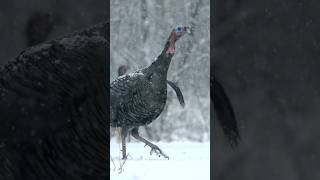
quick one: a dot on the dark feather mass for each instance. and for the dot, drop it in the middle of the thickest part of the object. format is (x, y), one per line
(53, 109)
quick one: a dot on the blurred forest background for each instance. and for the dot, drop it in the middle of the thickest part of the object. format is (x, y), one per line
(266, 53)
(139, 30)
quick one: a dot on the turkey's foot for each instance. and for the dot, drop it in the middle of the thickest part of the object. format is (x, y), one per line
(157, 150)
(154, 148)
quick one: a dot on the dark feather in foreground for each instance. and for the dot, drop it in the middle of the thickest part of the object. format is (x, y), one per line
(224, 110)
(53, 109)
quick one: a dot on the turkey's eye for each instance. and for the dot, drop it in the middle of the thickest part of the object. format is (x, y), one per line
(178, 29)
(150, 77)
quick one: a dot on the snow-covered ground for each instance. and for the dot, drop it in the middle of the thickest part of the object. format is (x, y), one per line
(188, 160)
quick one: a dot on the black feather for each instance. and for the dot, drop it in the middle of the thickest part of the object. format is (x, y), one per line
(224, 110)
(178, 92)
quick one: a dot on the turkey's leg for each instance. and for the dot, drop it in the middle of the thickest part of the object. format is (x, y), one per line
(123, 142)
(154, 148)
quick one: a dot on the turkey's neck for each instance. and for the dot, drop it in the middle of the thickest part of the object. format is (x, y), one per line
(161, 64)
(159, 68)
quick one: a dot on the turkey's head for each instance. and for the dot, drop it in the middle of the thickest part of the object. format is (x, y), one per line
(122, 70)
(176, 34)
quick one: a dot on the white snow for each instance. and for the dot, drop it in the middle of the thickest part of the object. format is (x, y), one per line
(188, 161)
(136, 73)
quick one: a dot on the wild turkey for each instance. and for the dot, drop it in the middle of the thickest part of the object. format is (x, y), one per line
(224, 111)
(123, 69)
(53, 109)
(138, 98)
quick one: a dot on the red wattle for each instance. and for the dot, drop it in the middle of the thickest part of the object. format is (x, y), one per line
(171, 50)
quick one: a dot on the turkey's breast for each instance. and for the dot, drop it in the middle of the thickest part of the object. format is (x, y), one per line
(136, 100)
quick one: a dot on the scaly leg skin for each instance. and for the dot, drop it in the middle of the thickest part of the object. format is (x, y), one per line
(123, 140)
(154, 148)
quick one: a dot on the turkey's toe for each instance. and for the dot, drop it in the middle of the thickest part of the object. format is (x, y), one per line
(158, 151)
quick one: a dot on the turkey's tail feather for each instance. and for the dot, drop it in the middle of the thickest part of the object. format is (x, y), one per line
(224, 111)
(178, 92)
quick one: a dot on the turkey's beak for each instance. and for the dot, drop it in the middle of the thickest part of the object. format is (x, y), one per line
(188, 30)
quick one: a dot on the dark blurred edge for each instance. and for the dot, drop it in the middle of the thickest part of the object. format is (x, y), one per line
(212, 21)
(267, 53)
(212, 5)
(106, 80)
